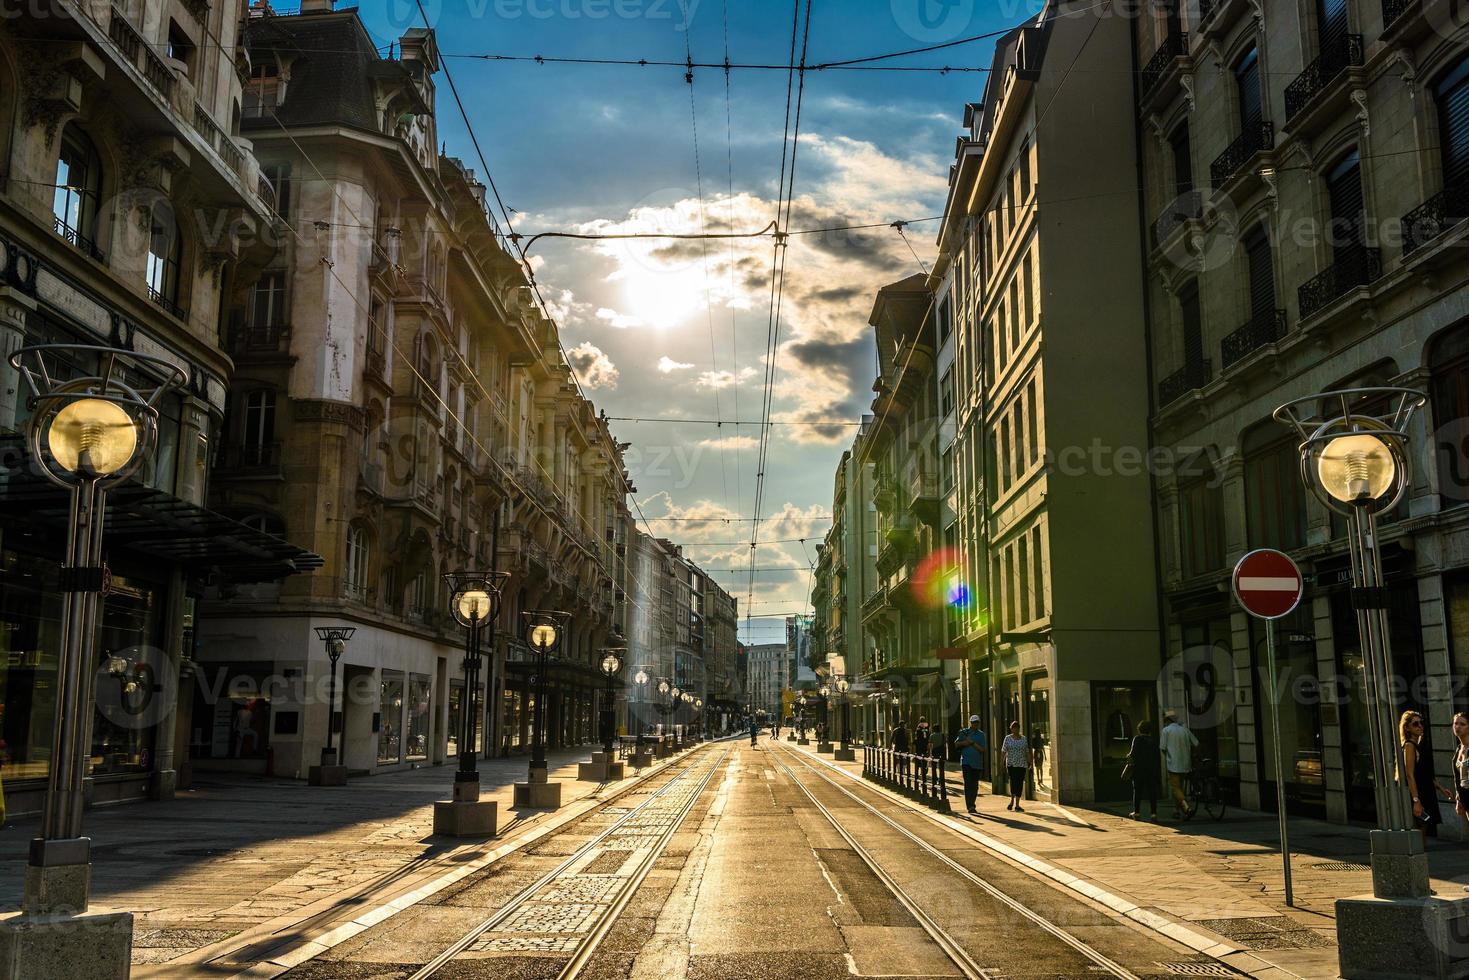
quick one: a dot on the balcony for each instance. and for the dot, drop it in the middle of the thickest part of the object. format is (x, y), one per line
(1393, 10)
(217, 138)
(875, 604)
(1164, 60)
(272, 338)
(1187, 378)
(1331, 64)
(1354, 268)
(1266, 328)
(1435, 216)
(1188, 206)
(249, 462)
(167, 305)
(1256, 138)
(885, 493)
(76, 239)
(923, 494)
(134, 48)
(375, 366)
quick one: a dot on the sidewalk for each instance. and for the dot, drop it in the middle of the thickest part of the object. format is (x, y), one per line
(1220, 881)
(241, 853)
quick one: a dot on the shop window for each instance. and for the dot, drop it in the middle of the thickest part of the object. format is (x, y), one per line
(74, 202)
(1116, 711)
(232, 707)
(390, 718)
(418, 724)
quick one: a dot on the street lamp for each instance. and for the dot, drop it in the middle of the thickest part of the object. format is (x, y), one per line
(842, 688)
(1357, 464)
(611, 664)
(474, 602)
(87, 435)
(335, 639)
(543, 631)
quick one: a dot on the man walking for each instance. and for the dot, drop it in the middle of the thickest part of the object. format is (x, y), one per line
(1177, 745)
(972, 745)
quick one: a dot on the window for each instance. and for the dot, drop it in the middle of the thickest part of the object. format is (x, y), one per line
(1261, 273)
(1247, 89)
(1347, 229)
(279, 177)
(181, 47)
(78, 190)
(357, 562)
(268, 303)
(1193, 326)
(1200, 525)
(1451, 95)
(1331, 23)
(946, 392)
(262, 91)
(1027, 293)
(1039, 564)
(1183, 171)
(1033, 435)
(258, 435)
(1449, 362)
(162, 270)
(945, 319)
(1005, 453)
(1024, 580)
(1025, 171)
(1275, 496)
(947, 463)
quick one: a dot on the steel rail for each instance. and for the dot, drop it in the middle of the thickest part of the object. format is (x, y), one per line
(519, 899)
(940, 936)
(1111, 966)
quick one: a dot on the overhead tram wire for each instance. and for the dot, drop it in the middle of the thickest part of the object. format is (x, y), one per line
(734, 343)
(774, 269)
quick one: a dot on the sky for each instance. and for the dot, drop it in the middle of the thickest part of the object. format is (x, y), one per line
(675, 331)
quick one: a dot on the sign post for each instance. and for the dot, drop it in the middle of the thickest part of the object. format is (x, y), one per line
(1268, 585)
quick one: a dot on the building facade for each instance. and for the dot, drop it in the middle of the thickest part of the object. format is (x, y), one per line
(132, 216)
(1306, 201)
(770, 677)
(400, 403)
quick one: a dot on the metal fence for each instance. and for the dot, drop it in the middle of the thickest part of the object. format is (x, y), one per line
(918, 777)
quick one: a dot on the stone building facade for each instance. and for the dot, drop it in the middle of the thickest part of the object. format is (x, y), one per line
(1305, 169)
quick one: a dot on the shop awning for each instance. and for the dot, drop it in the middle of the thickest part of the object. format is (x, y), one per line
(159, 524)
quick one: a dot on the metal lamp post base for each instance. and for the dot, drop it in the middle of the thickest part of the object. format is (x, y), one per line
(538, 792)
(823, 747)
(53, 935)
(845, 755)
(466, 818)
(329, 773)
(605, 767)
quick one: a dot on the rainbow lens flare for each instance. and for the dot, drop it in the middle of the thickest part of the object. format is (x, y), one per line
(938, 581)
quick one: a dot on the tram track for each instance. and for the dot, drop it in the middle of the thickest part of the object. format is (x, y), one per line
(572, 908)
(1096, 962)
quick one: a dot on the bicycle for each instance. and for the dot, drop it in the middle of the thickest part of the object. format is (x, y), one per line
(1203, 792)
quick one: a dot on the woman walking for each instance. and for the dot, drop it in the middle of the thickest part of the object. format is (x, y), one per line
(1418, 768)
(1017, 760)
(1144, 767)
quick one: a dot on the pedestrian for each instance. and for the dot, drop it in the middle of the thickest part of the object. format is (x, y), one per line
(1419, 769)
(1176, 744)
(1143, 769)
(899, 742)
(1461, 765)
(920, 748)
(1017, 762)
(754, 731)
(972, 745)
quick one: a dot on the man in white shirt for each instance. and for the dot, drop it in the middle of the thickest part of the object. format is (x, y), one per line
(1177, 745)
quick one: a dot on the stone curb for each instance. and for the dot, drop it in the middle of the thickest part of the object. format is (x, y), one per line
(1207, 943)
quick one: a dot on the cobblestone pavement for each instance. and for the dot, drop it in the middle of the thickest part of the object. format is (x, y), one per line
(246, 855)
(1223, 878)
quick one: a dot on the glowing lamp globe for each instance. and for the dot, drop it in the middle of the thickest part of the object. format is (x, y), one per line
(543, 635)
(93, 437)
(474, 607)
(1356, 469)
(610, 664)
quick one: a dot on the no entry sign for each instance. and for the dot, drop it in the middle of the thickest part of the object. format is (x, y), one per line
(1267, 583)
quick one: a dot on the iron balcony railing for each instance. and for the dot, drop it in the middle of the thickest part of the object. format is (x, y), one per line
(254, 458)
(1256, 137)
(166, 304)
(1206, 7)
(1335, 58)
(1263, 328)
(1353, 268)
(1435, 216)
(206, 127)
(1185, 208)
(1174, 46)
(77, 239)
(265, 338)
(1187, 378)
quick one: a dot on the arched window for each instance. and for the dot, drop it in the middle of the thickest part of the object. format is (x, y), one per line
(257, 438)
(355, 581)
(78, 190)
(262, 91)
(162, 271)
(1200, 518)
(1451, 95)
(265, 523)
(1448, 359)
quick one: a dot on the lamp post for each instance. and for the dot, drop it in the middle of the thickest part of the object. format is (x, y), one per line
(544, 629)
(330, 772)
(611, 664)
(474, 602)
(1356, 463)
(845, 753)
(86, 435)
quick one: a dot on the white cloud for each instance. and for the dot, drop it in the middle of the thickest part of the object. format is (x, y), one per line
(723, 379)
(731, 442)
(621, 321)
(667, 365)
(593, 368)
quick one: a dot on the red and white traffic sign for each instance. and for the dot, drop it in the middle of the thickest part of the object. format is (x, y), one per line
(1268, 583)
